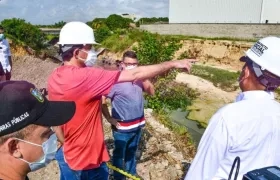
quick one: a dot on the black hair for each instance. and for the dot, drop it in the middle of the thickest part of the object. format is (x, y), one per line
(1, 27)
(269, 80)
(130, 54)
(69, 52)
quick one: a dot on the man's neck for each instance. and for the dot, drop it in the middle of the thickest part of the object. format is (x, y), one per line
(73, 62)
(11, 175)
(12, 172)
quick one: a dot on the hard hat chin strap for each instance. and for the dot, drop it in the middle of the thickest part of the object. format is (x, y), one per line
(269, 82)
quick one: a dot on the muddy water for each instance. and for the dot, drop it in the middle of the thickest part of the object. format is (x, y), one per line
(193, 127)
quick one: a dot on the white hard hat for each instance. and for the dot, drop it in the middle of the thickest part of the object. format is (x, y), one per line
(76, 33)
(266, 54)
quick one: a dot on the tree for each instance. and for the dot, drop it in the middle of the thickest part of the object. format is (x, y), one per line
(98, 22)
(115, 21)
(102, 33)
(152, 20)
(25, 32)
(59, 24)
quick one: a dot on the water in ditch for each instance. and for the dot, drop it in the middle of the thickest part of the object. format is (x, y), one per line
(194, 129)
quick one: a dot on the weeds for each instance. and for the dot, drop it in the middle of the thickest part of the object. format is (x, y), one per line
(184, 55)
(120, 41)
(223, 79)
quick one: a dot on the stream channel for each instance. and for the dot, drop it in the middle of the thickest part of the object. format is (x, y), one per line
(193, 127)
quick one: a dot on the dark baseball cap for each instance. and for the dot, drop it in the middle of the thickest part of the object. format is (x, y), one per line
(22, 104)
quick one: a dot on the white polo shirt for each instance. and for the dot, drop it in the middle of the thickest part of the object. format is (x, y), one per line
(249, 128)
(5, 52)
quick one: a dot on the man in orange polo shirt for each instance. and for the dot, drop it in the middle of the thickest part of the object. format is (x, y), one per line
(84, 147)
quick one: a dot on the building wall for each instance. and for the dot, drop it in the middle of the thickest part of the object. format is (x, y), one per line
(218, 11)
(216, 30)
(271, 11)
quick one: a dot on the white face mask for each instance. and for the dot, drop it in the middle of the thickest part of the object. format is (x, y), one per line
(130, 67)
(91, 58)
(49, 149)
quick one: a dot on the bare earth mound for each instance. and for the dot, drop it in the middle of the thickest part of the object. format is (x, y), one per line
(32, 69)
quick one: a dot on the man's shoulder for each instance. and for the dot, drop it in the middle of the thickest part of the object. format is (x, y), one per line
(65, 70)
(122, 84)
(5, 41)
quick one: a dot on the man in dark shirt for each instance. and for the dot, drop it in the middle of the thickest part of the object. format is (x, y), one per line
(27, 142)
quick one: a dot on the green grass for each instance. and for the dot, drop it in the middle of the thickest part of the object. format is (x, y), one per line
(223, 79)
(51, 36)
(119, 42)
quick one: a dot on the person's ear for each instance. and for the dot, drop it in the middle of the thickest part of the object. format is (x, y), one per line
(76, 53)
(247, 72)
(13, 147)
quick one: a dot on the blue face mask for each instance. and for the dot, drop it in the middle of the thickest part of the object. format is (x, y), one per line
(2, 36)
(49, 149)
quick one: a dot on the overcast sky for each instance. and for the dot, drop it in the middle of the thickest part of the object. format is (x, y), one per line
(51, 11)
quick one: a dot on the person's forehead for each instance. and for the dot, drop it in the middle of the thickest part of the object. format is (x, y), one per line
(87, 46)
(130, 60)
(39, 132)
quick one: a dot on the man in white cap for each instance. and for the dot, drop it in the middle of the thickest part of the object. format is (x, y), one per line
(248, 128)
(84, 147)
(5, 54)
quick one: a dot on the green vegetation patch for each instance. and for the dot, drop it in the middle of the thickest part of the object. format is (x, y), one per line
(223, 79)
(24, 32)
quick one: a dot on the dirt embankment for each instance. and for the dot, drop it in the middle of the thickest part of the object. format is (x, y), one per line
(218, 53)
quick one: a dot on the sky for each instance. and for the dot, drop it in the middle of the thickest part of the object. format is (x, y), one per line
(51, 11)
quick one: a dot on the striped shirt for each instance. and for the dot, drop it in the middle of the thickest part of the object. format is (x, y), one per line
(128, 105)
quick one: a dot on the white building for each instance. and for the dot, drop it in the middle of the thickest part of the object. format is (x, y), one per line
(224, 11)
(129, 16)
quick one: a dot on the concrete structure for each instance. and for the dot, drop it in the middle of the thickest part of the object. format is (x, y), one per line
(245, 31)
(224, 11)
(129, 16)
(54, 31)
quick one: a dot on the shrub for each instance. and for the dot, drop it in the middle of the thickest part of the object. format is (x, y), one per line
(170, 95)
(97, 23)
(152, 20)
(122, 39)
(115, 21)
(25, 32)
(102, 33)
(154, 49)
